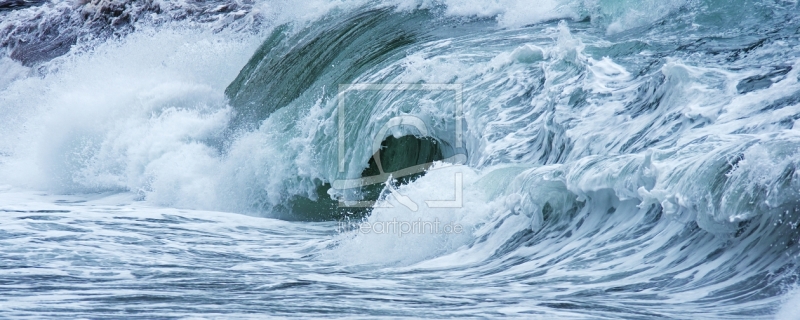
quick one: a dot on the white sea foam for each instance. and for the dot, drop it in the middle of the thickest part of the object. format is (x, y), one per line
(790, 309)
(412, 234)
(130, 115)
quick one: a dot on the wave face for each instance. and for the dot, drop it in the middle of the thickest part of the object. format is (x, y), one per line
(617, 159)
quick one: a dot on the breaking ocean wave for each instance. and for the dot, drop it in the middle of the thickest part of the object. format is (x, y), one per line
(568, 159)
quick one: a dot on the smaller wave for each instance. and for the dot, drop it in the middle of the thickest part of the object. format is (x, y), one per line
(33, 32)
(615, 16)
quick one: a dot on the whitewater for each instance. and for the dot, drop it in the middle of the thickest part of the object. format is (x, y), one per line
(554, 159)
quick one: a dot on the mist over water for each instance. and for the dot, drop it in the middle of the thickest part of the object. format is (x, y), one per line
(621, 159)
